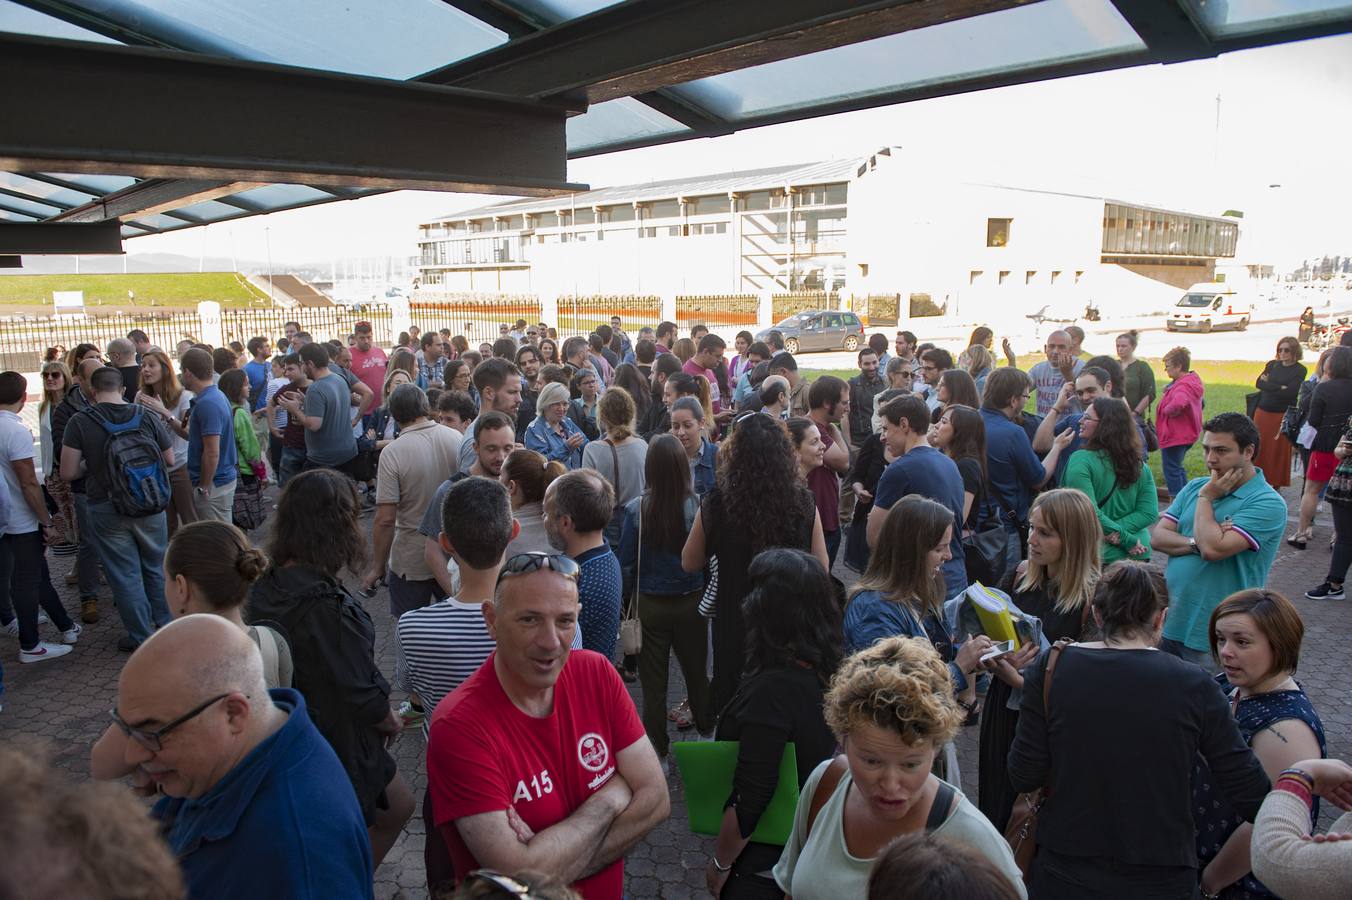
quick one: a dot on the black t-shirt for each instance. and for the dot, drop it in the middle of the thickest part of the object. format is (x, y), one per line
(84, 433)
(972, 483)
(131, 381)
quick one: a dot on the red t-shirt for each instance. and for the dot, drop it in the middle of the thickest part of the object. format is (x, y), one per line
(484, 755)
(825, 486)
(693, 368)
(369, 366)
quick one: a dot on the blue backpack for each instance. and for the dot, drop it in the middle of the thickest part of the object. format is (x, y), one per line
(138, 482)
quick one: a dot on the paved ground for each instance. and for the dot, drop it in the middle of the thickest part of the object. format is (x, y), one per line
(65, 705)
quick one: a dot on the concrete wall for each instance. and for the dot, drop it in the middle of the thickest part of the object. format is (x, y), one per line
(699, 264)
(1179, 276)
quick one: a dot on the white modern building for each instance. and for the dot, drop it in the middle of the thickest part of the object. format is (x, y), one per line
(871, 226)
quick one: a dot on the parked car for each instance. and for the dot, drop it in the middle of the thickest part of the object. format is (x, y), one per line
(819, 329)
(1208, 306)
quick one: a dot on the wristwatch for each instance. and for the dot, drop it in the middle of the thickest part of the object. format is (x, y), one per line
(1192, 546)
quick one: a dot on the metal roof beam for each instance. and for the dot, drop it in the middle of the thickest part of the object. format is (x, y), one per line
(1167, 29)
(63, 237)
(155, 195)
(157, 114)
(642, 45)
(509, 20)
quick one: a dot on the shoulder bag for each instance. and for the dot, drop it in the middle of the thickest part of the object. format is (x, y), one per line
(631, 630)
(1021, 832)
(1152, 438)
(986, 552)
(1339, 489)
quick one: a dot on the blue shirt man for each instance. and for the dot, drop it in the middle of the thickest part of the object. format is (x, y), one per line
(259, 371)
(211, 415)
(1221, 534)
(1012, 468)
(919, 469)
(283, 822)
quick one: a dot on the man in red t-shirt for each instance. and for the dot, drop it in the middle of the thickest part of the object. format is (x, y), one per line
(708, 356)
(538, 760)
(368, 363)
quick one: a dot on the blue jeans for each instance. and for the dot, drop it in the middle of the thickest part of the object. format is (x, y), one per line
(87, 558)
(1171, 458)
(30, 585)
(293, 460)
(132, 552)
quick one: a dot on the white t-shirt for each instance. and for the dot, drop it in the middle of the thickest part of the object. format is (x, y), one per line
(16, 445)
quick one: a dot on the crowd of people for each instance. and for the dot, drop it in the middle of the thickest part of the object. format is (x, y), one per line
(552, 519)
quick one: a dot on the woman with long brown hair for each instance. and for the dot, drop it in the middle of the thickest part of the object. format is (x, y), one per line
(333, 641)
(161, 393)
(1278, 388)
(1111, 471)
(758, 501)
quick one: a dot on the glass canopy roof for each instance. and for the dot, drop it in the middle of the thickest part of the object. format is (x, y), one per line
(402, 40)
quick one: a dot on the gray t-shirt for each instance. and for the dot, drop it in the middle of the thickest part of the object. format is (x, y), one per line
(631, 455)
(333, 444)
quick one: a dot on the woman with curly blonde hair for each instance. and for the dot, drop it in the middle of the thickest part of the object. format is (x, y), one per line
(892, 709)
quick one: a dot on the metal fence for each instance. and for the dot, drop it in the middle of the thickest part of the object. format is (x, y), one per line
(878, 309)
(324, 323)
(25, 339)
(477, 316)
(785, 305)
(717, 310)
(581, 314)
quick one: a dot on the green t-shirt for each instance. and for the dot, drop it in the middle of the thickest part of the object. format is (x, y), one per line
(819, 867)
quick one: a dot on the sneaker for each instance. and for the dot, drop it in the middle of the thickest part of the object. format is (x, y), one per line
(44, 651)
(71, 634)
(42, 618)
(10, 628)
(89, 611)
(1326, 591)
(411, 714)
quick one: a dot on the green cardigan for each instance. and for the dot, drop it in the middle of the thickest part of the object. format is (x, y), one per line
(246, 441)
(1128, 512)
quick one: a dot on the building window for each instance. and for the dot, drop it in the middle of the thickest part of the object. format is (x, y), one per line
(997, 232)
(1055, 276)
(974, 276)
(1003, 276)
(1078, 275)
(1028, 277)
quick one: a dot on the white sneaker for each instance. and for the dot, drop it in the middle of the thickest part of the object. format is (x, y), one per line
(42, 618)
(72, 635)
(11, 627)
(44, 651)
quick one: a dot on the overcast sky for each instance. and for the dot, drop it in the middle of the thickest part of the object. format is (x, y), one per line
(1147, 134)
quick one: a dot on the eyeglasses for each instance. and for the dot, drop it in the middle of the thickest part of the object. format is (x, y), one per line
(153, 740)
(534, 561)
(504, 883)
(52, 375)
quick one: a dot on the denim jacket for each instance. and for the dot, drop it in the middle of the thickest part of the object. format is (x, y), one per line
(546, 441)
(660, 573)
(702, 476)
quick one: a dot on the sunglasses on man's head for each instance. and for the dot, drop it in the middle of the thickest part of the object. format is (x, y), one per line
(500, 884)
(534, 561)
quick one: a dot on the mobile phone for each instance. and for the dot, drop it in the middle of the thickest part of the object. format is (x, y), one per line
(998, 650)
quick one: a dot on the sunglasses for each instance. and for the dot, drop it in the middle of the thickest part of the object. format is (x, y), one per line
(153, 740)
(52, 375)
(534, 561)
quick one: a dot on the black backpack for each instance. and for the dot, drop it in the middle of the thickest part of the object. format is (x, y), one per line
(138, 482)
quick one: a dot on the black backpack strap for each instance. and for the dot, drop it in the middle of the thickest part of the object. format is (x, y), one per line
(943, 806)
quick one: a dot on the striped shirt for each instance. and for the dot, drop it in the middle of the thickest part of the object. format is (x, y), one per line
(439, 646)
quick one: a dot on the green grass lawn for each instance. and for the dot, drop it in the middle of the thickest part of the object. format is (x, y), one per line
(158, 289)
(1226, 384)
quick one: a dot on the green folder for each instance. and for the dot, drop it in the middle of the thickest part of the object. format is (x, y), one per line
(706, 770)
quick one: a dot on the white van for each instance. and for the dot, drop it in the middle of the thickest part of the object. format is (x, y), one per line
(1210, 305)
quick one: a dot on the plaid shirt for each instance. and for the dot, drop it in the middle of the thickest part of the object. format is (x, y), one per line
(433, 371)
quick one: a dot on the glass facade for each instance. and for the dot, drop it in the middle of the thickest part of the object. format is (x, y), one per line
(1138, 231)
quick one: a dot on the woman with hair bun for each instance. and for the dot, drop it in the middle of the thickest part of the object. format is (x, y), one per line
(526, 474)
(1119, 706)
(891, 707)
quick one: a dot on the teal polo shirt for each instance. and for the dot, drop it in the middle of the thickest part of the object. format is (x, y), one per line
(1196, 587)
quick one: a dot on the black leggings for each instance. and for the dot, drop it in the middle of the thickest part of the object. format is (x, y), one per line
(1342, 546)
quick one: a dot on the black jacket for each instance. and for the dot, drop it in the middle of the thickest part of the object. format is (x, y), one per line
(333, 648)
(74, 402)
(862, 394)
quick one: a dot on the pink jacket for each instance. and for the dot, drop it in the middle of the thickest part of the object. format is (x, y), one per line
(1178, 418)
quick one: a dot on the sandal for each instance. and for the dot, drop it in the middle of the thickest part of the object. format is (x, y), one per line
(680, 713)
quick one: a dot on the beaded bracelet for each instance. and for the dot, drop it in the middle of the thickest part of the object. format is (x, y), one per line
(1301, 774)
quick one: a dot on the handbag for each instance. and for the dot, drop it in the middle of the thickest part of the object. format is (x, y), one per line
(1152, 438)
(248, 511)
(1021, 832)
(1251, 402)
(631, 629)
(986, 552)
(1291, 422)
